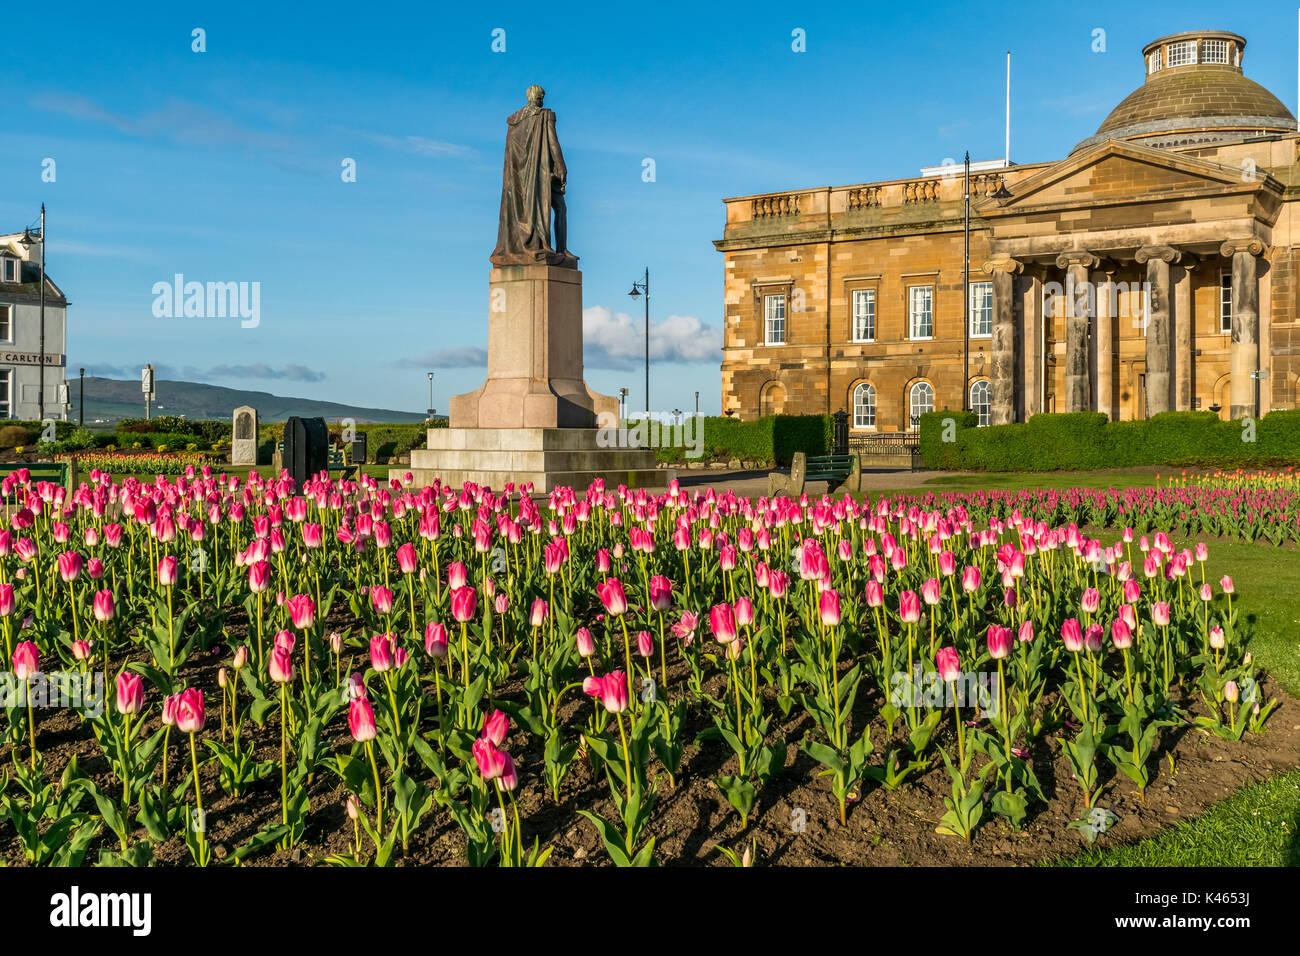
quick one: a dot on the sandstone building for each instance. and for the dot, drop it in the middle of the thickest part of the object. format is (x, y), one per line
(1151, 269)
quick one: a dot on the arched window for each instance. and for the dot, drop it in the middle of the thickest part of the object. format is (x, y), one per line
(980, 400)
(921, 402)
(864, 406)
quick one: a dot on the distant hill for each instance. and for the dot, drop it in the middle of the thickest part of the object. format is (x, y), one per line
(109, 400)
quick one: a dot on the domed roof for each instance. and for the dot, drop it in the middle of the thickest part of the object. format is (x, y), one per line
(1195, 92)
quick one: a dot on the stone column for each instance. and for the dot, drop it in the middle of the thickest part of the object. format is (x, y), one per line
(1184, 333)
(1158, 259)
(1079, 305)
(1002, 408)
(1031, 340)
(1245, 324)
(1106, 345)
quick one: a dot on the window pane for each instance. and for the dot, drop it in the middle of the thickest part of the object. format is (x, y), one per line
(1225, 302)
(1153, 62)
(864, 315)
(922, 402)
(864, 406)
(774, 322)
(981, 401)
(4, 393)
(921, 311)
(1214, 51)
(1181, 54)
(4, 322)
(981, 308)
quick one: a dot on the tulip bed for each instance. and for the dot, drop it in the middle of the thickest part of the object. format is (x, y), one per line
(356, 669)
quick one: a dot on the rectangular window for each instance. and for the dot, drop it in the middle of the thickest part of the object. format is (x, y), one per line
(1225, 302)
(920, 311)
(774, 319)
(6, 312)
(1153, 62)
(1182, 54)
(1214, 51)
(8, 270)
(981, 308)
(864, 315)
(6, 393)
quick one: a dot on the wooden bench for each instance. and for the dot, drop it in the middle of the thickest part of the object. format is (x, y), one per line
(839, 471)
(58, 472)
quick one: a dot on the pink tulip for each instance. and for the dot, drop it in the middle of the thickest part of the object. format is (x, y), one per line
(829, 608)
(1026, 633)
(613, 692)
(1225, 583)
(778, 583)
(613, 597)
(457, 575)
(508, 779)
(948, 664)
(302, 611)
(381, 652)
(281, 665)
(970, 579)
(1121, 635)
(491, 761)
(1216, 638)
(103, 606)
(435, 640)
(586, 644)
(170, 703)
(1132, 591)
(130, 693)
(167, 571)
(645, 644)
(26, 661)
(999, 641)
(381, 599)
(875, 594)
(189, 711)
(81, 650)
(744, 609)
(1093, 638)
(1160, 613)
(722, 620)
(6, 599)
(909, 607)
(1072, 635)
(1231, 691)
(464, 604)
(537, 616)
(241, 657)
(406, 559)
(70, 563)
(361, 720)
(95, 568)
(661, 593)
(259, 576)
(501, 603)
(1090, 601)
(495, 727)
(285, 639)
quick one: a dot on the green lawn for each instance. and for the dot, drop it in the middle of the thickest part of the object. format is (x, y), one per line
(1016, 481)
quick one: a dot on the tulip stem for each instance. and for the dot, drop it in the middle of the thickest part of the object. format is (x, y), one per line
(627, 760)
(31, 721)
(198, 799)
(284, 773)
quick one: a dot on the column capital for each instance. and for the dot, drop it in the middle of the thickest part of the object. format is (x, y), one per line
(1077, 257)
(1003, 264)
(1165, 253)
(1232, 246)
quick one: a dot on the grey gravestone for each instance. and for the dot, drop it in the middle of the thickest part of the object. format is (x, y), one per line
(243, 443)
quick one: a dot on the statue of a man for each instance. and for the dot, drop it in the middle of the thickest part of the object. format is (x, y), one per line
(532, 185)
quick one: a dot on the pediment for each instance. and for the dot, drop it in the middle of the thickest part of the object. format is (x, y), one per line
(1113, 172)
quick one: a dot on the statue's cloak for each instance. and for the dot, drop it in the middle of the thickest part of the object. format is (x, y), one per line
(534, 168)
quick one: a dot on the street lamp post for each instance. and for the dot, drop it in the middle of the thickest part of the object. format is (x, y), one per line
(431, 395)
(643, 288)
(622, 403)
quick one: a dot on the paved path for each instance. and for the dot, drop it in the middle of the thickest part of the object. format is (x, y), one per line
(753, 484)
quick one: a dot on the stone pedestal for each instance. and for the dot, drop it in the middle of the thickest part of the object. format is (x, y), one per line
(534, 377)
(548, 457)
(243, 438)
(534, 419)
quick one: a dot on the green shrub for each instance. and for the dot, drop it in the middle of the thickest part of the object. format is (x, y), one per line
(1083, 441)
(12, 435)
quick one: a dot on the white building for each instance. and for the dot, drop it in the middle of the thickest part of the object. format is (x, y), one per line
(20, 334)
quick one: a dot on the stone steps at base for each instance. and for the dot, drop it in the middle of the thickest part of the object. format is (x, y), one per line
(542, 481)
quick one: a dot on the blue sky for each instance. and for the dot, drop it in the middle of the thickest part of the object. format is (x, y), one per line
(225, 165)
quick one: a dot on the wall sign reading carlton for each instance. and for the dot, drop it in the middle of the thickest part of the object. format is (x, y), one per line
(32, 358)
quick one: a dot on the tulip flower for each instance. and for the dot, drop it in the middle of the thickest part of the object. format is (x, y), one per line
(103, 606)
(361, 724)
(302, 611)
(495, 727)
(613, 597)
(829, 608)
(909, 607)
(645, 644)
(1072, 636)
(722, 620)
(491, 761)
(382, 599)
(949, 667)
(81, 650)
(26, 665)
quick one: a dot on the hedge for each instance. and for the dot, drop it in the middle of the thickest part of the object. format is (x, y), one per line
(773, 438)
(1082, 441)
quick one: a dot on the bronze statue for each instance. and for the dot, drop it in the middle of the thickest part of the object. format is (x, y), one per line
(532, 185)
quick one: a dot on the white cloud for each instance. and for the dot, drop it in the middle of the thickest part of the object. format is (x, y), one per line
(617, 340)
(466, 356)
